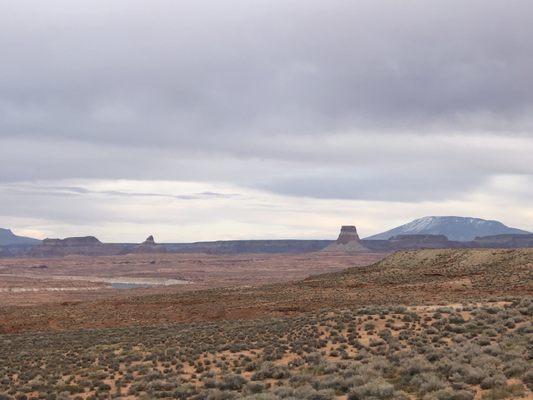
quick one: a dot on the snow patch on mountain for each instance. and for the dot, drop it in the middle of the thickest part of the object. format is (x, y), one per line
(454, 228)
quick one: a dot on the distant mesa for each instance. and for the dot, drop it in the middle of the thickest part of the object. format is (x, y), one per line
(85, 245)
(73, 241)
(405, 242)
(505, 241)
(348, 241)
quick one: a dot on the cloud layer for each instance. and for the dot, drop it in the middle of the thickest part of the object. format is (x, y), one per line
(378, 102)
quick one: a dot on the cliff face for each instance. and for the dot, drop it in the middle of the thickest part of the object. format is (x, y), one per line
(348, 234)
(87, 245)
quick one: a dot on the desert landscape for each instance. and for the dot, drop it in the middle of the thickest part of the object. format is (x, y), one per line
(434, 323)
(449, 352)
(266, 200)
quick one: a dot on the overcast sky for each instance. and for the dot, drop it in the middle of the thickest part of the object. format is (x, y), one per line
(201, 120)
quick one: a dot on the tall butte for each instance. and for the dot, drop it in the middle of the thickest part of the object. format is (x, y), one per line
(348, 234)
(348, 241)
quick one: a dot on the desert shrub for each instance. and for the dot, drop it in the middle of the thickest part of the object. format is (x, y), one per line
(413, 367)
(445, 310)
(261, 396)
(210, 383)
(504, 392)
(515, 368)
(137, 388)
(473, 375)
(528, 379)
(216, 394)
(309, 393)
(254, 387)
(493, 381)
(72, 389)
(456, 319)
(270, 370)
(427, 382)
(337, 383)
(377, 388)
(449, 394)
(232, 382)
(369, 326)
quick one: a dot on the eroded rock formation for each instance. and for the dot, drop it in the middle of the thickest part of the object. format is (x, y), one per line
(149, 240)
(348, 234)
(150, 246)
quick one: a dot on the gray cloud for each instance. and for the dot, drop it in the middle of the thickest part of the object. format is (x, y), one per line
(69, 191)
(374, 100)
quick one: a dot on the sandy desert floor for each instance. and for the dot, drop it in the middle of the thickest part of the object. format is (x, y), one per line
(31, 281)
(450, 324)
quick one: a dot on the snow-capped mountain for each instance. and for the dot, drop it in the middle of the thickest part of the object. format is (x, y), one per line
(454, 228)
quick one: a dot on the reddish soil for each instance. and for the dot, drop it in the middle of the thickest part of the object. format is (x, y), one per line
(31, 281)
(408, 278)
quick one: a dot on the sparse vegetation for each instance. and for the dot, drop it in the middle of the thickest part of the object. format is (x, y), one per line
(336, 353)
(373, 332)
